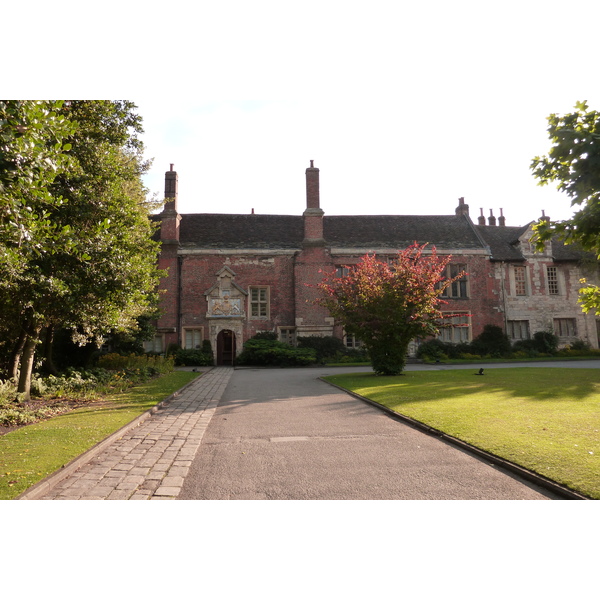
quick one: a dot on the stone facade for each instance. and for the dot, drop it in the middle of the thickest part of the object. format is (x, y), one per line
(231, 276)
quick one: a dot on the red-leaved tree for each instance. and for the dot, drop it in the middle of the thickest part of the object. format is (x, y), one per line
(388, 304)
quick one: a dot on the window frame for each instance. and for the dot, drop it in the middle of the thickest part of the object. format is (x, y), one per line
(158, 336)
(266, 303)
(511, 326)
(520, 278)
(448, 334)
(552, 282)
(460, 288)
(285, 338)
(187, 330)
(352, 342)
(561, 323)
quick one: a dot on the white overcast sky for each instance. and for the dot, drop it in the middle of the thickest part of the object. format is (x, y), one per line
(403, 106)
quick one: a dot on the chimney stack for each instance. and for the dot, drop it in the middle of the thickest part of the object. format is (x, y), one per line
(501, 219)
(462, 208)
(171, 184)
(492, 219)
(544, 217)
(312, 186)
(313, 215)
(481, 218)
(170, 218)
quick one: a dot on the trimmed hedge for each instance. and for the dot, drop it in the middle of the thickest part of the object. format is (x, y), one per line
(265, 352)
(326, 347)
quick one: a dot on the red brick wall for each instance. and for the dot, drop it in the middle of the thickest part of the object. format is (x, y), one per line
(199, 274)
(309, 263)
(484, 299)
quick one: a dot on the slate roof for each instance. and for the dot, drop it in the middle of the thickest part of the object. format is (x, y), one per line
(503, 244)
(369, 231)
(241, 231)
(229, 231)
(502, 241)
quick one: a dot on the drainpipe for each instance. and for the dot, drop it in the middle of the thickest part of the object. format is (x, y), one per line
(179, 288)
(503, 288)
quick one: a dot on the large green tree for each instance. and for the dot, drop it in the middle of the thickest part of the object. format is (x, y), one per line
(573, 164)
(388, 304)
(33, 151)
(102, 275)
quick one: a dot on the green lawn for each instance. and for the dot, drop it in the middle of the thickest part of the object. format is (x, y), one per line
(544, 419)
(29, 454)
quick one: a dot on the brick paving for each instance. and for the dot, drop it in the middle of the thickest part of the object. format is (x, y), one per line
(151, 461)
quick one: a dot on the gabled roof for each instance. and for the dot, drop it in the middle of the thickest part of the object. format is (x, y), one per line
(503, 243)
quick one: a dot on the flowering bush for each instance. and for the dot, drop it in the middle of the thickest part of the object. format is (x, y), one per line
(388, 304)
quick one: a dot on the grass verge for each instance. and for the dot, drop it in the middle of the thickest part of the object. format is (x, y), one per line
(31, 453)
(544, 419)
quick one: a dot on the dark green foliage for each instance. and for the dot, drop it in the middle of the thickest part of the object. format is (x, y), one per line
(132, 341)
(389, 358)
(572, 163)
(491, 341)
(76, 248)
(546, 341)
(326, 347)
(266, 352)
(265, 335)
(353, 355)
(195, 358)
(579, 345)
(207, 348)
(433, 349)
(543, 342)
(530, 347)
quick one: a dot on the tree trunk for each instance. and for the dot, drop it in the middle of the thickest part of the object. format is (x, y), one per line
(49, 365)
(27, 359)
(15, 356)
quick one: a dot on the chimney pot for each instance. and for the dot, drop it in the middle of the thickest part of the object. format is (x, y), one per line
(481, 218)
(492, 219)
(501, 219)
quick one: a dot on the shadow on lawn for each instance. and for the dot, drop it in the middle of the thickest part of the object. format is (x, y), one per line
(532, 384)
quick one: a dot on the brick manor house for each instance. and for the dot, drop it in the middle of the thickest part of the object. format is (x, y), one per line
(233, 275)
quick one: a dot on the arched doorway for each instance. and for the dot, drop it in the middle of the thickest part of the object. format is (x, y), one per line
(226, 347)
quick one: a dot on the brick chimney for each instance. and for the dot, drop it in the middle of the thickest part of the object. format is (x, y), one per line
(492, 219)
(502, 219)
(170, 217)
(462, 208)
(313, 215)
(481, 218)
(171, 184)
